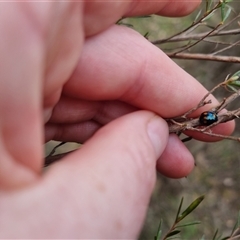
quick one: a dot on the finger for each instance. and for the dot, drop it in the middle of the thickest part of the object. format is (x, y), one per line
(175, 162)
(70, 110)
(175, 157)
(76, 132)
(118, 173)
(111, 176)
(20, 98)
(25, 64)
(77, 120)
(164, 8)
(97, 16)
(138, 74)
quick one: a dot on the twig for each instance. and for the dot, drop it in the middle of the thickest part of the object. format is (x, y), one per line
(227, 100)
(226, 48)
(193, 25)
(199, 40)
(197, 36)
(209, 57)
(184, 123)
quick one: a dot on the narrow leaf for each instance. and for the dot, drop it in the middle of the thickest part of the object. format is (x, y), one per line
(202, 238)
(236, 74)
(188, 224)
(236, 225)
(215, 234)
(223, 11)
(226, 238)
(208, 5)
(159, 231)
(190, 208)
(175, 232)
(233, 81)
(231, 88)
(209, 15)
(238, 220)
(146, 35)
(196, 18)
(179, 209)
(227, 14)
(234, 228)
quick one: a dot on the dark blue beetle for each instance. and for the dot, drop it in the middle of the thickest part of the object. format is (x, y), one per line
(208, 118)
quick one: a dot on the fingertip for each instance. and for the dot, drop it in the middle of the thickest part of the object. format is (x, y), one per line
(158, 134)
(164, 8)
(177, 10)
(176, 160)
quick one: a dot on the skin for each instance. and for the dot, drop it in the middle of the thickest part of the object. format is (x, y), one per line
(72, 75)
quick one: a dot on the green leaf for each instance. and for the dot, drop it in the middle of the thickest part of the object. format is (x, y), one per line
(209, 15)
(223, 10)
(236, 225)
(215, 234)
(202, 238)
(146, 35)
(197, 16)
(226, 14)
(233, 81)
(208, 5)
(190, 208)
(236, 74)
(188, 224)
(175, 232)
(159, 231)
(238, 220)
(231, 88)
(225, 238)
(179, 209)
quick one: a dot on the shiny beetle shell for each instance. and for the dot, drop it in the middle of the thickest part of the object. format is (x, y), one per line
(208, 118)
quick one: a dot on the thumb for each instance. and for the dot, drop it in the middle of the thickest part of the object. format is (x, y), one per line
(110, 179)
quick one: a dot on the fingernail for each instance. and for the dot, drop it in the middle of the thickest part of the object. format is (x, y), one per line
(158, 133)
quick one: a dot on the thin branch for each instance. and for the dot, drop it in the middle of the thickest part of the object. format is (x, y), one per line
(198, 36)
(195, 43)
(217, 135)
(227, 100)
(226, 48)
(208, 57)
(228, 23)
(219, 42)
(193, 25)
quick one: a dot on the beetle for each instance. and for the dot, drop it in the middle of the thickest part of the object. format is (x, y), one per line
(207, 118)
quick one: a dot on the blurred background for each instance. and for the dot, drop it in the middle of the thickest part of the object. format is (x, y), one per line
(217, 171)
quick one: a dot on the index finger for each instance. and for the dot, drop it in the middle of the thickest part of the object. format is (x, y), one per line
(120, 64)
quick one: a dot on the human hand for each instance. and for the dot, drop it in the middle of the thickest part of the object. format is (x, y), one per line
(103, 189)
